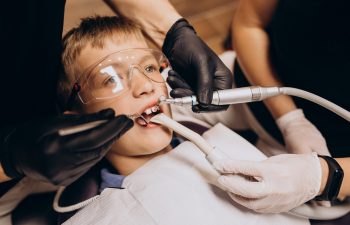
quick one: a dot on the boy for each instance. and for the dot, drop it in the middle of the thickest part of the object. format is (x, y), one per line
(107, 64)
(127, 80)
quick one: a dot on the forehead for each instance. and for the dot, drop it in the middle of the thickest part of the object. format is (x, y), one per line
(90, 55)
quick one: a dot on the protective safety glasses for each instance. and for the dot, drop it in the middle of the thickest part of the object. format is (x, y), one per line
(112, 75)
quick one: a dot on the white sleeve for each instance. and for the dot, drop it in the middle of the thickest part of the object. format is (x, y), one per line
(233, 117)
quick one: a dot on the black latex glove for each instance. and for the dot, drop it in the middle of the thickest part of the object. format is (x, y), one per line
(36, 150)
(197, 64)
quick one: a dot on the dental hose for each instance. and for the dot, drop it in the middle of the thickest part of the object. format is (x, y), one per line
(252, 94)
(316, 99)
(212, 154)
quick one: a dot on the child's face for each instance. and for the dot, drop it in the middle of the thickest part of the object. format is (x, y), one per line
(141, 94)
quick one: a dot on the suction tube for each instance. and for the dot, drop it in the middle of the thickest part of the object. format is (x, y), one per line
(212, 154)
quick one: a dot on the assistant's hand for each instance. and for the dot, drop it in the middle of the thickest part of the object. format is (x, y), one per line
(300, 135)
(280, 182)
(197, 64)
(36, 150)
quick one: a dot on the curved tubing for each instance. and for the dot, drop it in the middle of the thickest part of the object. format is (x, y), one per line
(305, 211)
(316, 99)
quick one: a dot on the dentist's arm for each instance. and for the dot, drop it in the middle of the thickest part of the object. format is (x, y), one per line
(189, 56)
(280, 182)
(251, 43)
(154, 16)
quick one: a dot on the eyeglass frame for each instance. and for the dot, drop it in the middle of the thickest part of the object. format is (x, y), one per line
(77, 87)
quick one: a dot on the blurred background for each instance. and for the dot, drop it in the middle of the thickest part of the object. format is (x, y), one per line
(210, 18)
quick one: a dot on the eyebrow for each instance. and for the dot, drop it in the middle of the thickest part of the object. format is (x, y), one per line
(146, 57)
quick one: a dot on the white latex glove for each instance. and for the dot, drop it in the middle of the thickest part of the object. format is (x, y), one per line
(300, 135)
(281, 182)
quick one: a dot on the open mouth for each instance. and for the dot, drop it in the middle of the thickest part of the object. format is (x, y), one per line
(145, 117)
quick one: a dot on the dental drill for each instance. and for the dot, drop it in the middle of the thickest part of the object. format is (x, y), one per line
(228, 97)
(256, 93)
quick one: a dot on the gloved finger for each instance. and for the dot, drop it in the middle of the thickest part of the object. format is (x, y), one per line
(321, 148)
(100, 135)
(320, 203)
(223, 77)
(83, 158)
(204, 91)
(222, 80)
(209, 108)
(74, 120)
(246, 202)
(105, 148)
(243, 186)
(65, 179)
(70, 168)
(260, 205)
(180, 92)
(231, 166)
(176, 81)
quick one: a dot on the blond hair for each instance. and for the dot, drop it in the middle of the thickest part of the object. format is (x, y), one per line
(92, 31)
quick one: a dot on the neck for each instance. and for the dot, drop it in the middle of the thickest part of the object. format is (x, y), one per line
(125, 165)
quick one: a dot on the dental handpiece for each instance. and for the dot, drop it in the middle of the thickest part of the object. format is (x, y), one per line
(229, 96)
(256, 93)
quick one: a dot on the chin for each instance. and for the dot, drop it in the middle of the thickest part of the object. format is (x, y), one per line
(150, 144)
(135, 143)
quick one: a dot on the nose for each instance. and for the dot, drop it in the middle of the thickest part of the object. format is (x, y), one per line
(140, 84)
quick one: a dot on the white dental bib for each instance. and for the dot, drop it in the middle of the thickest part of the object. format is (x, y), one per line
(175, 189)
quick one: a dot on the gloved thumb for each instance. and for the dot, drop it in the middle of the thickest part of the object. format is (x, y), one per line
(204, 90)
(70, 120)
(175, 81)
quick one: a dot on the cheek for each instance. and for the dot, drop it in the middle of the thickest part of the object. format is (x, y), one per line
(121, 105)
(162, 89)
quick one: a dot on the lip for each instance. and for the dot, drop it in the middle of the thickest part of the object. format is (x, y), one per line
(151, 104)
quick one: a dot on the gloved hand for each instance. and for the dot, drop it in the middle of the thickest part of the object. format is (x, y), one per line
(36, 150)
(300, 135)
(197, 64)
(280, 182)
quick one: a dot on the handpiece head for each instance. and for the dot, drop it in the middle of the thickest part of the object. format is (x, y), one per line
(163, 100)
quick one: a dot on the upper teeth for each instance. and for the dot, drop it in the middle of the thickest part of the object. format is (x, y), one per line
(152, 110)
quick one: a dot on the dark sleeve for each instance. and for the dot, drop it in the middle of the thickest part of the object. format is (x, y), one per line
(31, 32)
